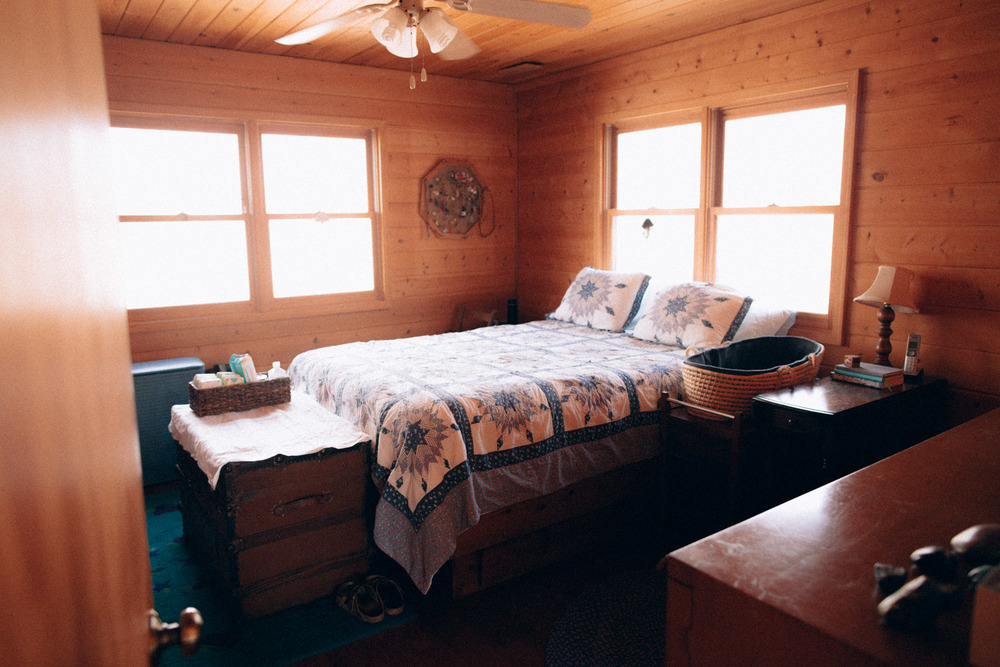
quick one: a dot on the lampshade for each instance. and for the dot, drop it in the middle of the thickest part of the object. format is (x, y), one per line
(437, 28)
(393, 31)
(892, 287)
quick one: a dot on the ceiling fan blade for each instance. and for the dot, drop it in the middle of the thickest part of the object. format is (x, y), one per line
(324, 28)
(311, 33)
(534, 11)
(459, 48)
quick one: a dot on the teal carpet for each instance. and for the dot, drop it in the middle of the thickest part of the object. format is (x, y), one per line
(179, 581)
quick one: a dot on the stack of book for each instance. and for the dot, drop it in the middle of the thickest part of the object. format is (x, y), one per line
(869, 375)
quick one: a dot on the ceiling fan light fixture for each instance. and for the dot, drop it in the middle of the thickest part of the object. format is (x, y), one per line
(393, 31)
(406, 45)
(437, 28)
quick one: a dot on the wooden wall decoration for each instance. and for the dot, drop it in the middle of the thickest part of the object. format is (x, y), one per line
(451, 198)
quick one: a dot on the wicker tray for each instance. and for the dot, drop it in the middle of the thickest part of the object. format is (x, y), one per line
(727, 379)
(238, 397)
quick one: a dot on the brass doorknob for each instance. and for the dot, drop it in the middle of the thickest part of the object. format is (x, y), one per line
(186, 633)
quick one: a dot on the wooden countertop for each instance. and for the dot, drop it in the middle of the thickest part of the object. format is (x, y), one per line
(827, 396)
(806, 567)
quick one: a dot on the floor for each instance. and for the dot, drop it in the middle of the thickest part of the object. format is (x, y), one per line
(506, 625)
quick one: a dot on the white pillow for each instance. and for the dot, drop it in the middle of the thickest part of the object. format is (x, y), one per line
(602, 299)
(693, 315)
(765, 320)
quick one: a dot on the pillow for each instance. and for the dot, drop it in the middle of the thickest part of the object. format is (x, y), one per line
(693, 315)
(655, 285)
(602, 299)
(765, 321)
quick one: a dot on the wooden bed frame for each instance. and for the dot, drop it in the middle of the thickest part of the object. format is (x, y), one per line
(625, 503)
(514, 540)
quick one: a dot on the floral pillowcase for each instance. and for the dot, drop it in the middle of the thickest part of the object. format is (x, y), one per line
(602, 299)
(692, 315)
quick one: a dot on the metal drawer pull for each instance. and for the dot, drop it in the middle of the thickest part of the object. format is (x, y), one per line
(307, 501)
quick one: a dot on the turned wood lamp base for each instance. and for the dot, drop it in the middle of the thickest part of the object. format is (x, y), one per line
(883, 347)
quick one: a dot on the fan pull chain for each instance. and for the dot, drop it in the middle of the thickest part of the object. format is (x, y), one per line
(423, 69)
(413, 80)
(414, 44)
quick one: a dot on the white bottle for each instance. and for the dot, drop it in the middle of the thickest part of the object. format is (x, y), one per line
(276, 371)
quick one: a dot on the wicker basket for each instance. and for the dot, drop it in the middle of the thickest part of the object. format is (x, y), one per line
(237, 397)
(726, 379)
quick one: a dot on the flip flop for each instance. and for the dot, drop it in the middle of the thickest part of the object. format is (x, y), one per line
(388, 592)
(360, 601)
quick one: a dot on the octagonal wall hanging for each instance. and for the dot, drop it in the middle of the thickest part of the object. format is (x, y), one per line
(451, 198)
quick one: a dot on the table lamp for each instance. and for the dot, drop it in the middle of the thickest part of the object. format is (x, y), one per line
(890, 292)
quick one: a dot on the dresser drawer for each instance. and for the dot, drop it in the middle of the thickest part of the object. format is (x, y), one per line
(259, 497)
(279, 532)
(799, 423)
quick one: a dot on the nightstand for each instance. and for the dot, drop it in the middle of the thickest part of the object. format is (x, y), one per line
(822, 430)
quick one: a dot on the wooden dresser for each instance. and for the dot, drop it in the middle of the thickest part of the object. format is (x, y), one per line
(794, 585)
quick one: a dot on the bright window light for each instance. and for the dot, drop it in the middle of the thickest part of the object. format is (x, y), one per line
(772, 163)
(781, 259)
(189, 205)
(784, 159)
(663, 250)
(169, 172)
(321, 257)
(659, 168)
(174, 263)
(179, 173)
(310, 174)
(327, 248)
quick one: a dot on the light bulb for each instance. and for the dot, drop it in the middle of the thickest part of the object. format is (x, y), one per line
(437, 28)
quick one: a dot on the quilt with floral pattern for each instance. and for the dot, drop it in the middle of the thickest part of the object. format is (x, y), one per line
(465, 423)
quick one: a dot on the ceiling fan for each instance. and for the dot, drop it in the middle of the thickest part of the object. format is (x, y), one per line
(394, 23)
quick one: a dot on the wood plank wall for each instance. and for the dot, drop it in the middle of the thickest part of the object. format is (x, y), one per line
(426, 275)
(927, 176)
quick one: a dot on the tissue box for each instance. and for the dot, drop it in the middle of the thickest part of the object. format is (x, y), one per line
(984, 644)
(238, 397)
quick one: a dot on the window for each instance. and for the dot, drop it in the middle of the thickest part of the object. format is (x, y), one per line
(244, 216)
(183, 196)
(659, 181)
(780, 187)
(319, 223)
(755, 196)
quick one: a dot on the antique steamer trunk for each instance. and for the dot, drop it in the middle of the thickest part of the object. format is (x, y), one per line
(283, 531)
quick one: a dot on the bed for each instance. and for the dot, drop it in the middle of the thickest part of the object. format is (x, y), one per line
(466, 424)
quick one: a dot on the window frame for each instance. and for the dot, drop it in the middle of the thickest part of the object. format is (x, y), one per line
(262, 305)
(835, 89)
(269, 301)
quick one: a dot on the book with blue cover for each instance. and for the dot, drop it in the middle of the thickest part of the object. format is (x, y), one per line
(869, 375)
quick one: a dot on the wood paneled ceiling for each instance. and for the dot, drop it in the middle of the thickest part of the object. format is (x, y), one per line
(512, 51)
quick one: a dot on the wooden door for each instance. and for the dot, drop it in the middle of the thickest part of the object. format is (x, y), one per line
(74, 566)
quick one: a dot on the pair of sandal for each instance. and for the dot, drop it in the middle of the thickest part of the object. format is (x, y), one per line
(371, 599)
